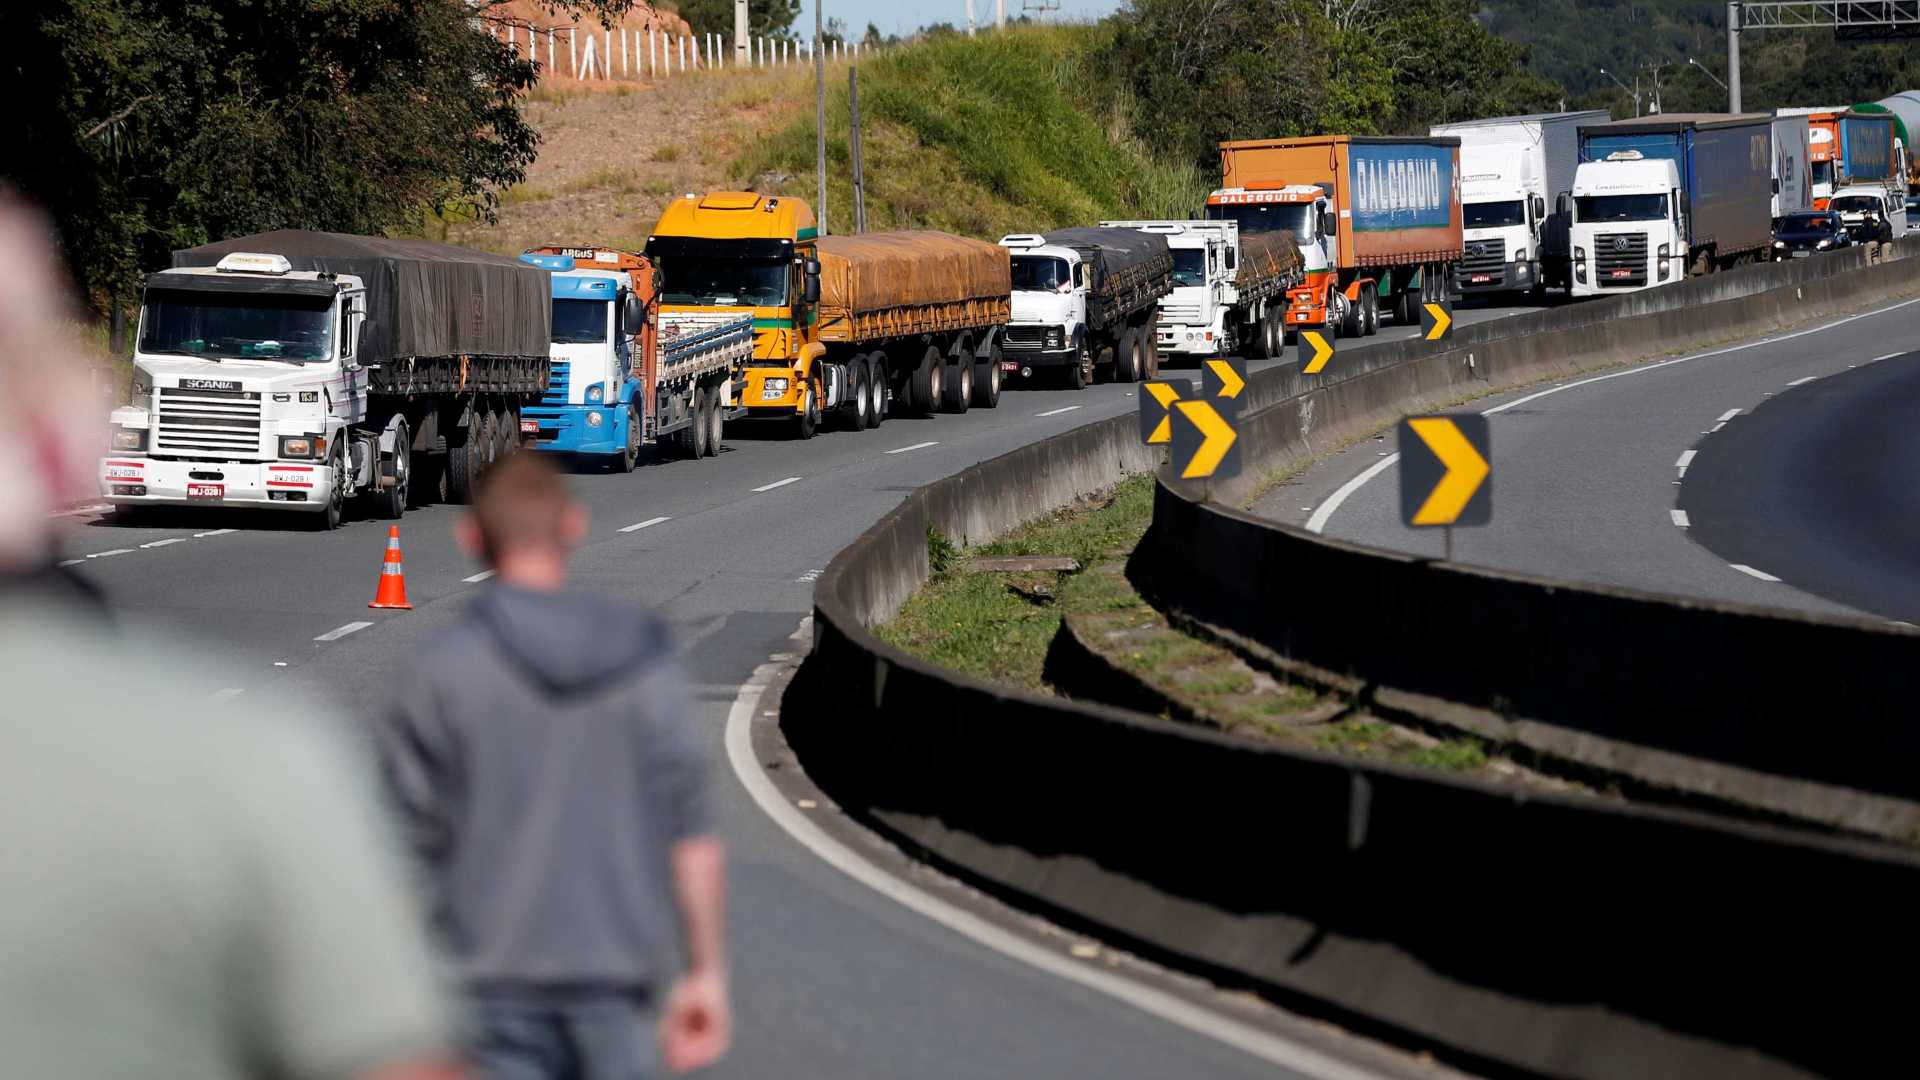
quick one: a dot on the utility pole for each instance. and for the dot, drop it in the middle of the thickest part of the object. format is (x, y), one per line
(999, 14)
(853, 145)
(969, 4)
(740, 56)
(1734, 14)
(820, 116)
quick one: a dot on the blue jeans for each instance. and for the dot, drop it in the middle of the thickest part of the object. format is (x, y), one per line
(586, 1035)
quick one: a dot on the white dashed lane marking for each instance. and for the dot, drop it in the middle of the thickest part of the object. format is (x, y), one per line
(778, 484)
(1798, 382)
(915, 446)
(164, 543)
(339, 632)
(651, 522)
(1751, 572)
(473, 579)
(1680, 518)
(1057, 412)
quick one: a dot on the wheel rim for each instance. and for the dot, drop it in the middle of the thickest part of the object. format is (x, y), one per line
(860, 403)
(936, 384)
(966, 383)
(402, 470)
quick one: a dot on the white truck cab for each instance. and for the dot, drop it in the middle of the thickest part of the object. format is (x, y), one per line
(245, 385)
(1195, 317)
(1629, 224)
(1049, 318)
(1872, 213)
(1501, 211)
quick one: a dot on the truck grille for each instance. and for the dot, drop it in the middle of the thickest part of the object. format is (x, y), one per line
(1616, 264)
(1484, 259)
(1023, 339)
(557, 383)
(1180, 313)
(224, 422)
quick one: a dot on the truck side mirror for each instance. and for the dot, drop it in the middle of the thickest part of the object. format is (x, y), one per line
(659, 279)
(810, 284)
(1539, 207)
(633, 312)
(1561, 202)
(360, 341)
(1329, 225)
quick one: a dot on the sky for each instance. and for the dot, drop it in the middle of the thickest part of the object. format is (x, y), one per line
(904, 16)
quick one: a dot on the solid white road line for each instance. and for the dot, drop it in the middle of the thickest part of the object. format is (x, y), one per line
(1751, 572)
(1318, 521)
(1057, 412)
(778, 484)
(651, 522)
(1686, 458)
(339, 632)
(1261, 1044)
(1680, 518)
(70, 562)
(216, 532)
(1799, 382)
(915, 446)
(226, 694)
(474, 579)
(1728, 415)
(115, 551)
(1889, 356)
(164, 543)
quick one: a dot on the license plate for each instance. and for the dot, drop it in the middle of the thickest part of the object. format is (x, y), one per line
(206, 491)
(1480, 278)
(1799, 254)
(120, 472)
(1621, 273)
(529, 427)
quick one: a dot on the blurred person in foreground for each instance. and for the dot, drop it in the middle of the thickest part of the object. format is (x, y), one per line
(555, 791)
(190, 891)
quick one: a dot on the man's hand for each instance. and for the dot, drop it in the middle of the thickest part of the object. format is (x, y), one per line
(697, 1025)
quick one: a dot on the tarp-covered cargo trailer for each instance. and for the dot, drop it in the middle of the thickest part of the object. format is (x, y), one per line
(1399, 202)
(887, 285)
(1131, 270)
(440, 319)
(1866, 148)
(1267, 259)
(1730, 188)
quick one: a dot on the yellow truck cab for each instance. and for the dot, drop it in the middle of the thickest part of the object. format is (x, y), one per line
(843, 326)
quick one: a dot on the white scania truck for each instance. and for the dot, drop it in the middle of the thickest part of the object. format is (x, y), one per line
(1084, 298)
(1229, 291)
(1511, 168)
(297, 370)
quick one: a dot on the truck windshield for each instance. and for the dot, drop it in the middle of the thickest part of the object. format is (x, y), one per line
(1039, 273)
(240, 326)
(1855, 204)
(719, 281)
(1620, 207)
(1189, 266)
(1296, 218)
(580, 322)
(1821, 171)
(1488, 215)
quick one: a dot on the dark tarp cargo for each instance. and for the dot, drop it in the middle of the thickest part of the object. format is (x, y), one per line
(424, 300)
(1131, 270)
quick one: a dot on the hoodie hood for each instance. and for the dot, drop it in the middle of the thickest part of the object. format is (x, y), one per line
(571, 642)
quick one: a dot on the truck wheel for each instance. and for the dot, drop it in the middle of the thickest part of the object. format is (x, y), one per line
(330, 516)
(630, 453)
(1369, 313)
(808, 422)
(1350, 319)
(466, 462)
(957, 389)
(876, 389)
(1080, 368)
(925, 385)
(716, 424)
(1126, 356)
(853, 411)
(1272, 335)
(390, 503)
(698, 432)
(986, 380)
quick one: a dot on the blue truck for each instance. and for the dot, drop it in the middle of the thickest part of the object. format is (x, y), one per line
(1665, 197)
(620, 379)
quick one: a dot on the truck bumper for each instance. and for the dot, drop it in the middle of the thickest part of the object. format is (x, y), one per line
(761, 399)
(1012, 361)
(277, 485)
(578, 429)
(1188, 340)
(1507, 278)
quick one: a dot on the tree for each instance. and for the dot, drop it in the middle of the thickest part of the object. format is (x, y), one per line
(765, 18)
(144, 126)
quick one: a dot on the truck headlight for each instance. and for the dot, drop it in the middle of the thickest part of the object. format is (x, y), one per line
(1579, 264)
(301, 446)
(1056, 338)
(1661, 254)
(1779, 243)
(596, 393)
(126, 438)
(593, 419)
(774, 384)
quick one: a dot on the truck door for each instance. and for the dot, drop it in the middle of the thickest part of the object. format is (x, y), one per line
(352, 402)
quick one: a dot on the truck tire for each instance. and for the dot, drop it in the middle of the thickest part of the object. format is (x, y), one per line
(927, 382)
(697, 432)
(466, 462)
(1079, 370)
(1369, 313)
(1126, 356)
(957, 388)
(716, 424)
(876, 389)
(986, 380)
(1351, 319)
(630, 453)
(859, 401)
(1273, 334)
(335, 511)
(807, 423)
(391, 502)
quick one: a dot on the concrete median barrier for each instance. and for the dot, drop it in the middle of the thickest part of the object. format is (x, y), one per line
(1505, 929)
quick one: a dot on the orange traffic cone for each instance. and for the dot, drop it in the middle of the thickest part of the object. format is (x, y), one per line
(392, 592)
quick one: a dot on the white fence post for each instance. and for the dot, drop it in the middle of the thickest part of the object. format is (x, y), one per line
(586, 69)
(682, 44)
(653, 65)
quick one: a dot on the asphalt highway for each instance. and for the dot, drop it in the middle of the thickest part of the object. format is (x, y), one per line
(1606, 478)
(832, 978)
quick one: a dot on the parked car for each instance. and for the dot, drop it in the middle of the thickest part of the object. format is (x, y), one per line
(1797, 236)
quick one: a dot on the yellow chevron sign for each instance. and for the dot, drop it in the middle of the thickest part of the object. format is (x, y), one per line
(1226, 378)
(1162, 395)
(1205, 444)
(1436, 321)
(1444, 470)
(1316, 348)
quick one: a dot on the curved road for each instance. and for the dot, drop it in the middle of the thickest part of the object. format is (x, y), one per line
(1600, 479)
(1821, 485)
(832, 978)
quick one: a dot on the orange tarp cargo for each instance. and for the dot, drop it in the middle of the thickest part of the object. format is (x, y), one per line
(896, 283)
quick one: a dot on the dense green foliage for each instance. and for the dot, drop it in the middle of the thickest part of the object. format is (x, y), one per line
(148, 125)
(1000, 133)
(765, 18)
(1572, 40)
(1199, 71)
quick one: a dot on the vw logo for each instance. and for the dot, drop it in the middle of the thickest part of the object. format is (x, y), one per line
(1619, 243)
(1476, 249)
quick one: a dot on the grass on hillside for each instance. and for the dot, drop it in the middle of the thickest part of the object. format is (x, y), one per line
(979, 136)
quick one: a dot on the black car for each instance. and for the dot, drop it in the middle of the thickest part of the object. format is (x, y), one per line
(1797, 236)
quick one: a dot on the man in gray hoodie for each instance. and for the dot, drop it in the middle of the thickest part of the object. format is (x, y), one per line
(555, 790)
